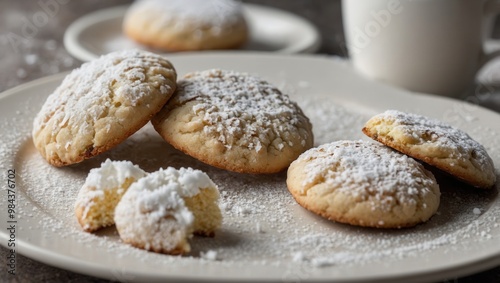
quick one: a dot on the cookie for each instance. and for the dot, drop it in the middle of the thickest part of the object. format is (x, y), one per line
(101, 192)
(100, 104)
(180, 25)
(436, 144)
(365, 184)
(234, 121)
(161, 211)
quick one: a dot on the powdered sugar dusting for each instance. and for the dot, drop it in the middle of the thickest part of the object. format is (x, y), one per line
(242, 110)
(153, 215)
(153, 200)
(368, 171)
(213, 14)
(112, 174)
(346, 122)
(450, 140)
(95, 83)
(154, 212)
(186, 182)
(100, 104)
(263, 226)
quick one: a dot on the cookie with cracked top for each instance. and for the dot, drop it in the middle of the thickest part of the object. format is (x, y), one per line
(364, 184)
(435, 143)
(234, 121)
(100, 104)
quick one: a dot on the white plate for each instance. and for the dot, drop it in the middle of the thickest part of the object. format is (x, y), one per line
(266, 236)
(274, 30)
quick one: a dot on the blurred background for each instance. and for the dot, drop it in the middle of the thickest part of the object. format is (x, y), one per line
(42, 53)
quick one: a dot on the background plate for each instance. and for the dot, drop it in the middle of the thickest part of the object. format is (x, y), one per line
(265, 236)
(271, 29)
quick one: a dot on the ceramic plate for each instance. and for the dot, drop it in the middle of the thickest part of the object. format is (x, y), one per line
(265, 236)
(274, 30)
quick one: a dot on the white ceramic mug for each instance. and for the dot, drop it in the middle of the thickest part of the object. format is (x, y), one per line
(431, 46)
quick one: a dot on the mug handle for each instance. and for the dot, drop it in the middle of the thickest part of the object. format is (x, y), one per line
(491, 48)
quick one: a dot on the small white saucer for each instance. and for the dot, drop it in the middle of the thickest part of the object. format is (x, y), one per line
(272, 30)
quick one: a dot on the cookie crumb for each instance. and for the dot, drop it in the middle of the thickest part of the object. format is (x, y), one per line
(299, 257)
(258, 228)
(209, 255)
(321, 262)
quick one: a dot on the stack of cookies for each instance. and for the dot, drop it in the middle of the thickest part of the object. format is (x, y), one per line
(382, 185)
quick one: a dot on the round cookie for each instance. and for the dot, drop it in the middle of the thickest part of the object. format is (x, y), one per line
(365, 184)
(435, 143)
(100, 104)
(103, 189)
(180, 25)
(235, 122)
(161, 211)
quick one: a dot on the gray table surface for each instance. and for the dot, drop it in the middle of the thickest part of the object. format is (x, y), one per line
(42, 53)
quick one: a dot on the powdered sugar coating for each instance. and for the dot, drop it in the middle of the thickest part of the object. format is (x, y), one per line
(100, 104)
(153, 214)
(211, 13)
(249, 117)
(436, 143)
(179, 25)
(344, 176)
(454, 141)
(111, 174)
(159, 199)
(241, 109)
(366, 170)
(269, 226)
(187, 182)
(102, 190)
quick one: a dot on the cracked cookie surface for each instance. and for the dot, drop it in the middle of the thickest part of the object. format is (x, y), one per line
(435, 143)
(100, 104)
(234, 121)
(365, 184)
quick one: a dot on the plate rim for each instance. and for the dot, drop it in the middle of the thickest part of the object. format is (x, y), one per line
(73, 31)
(471, 265)
(92, 269)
